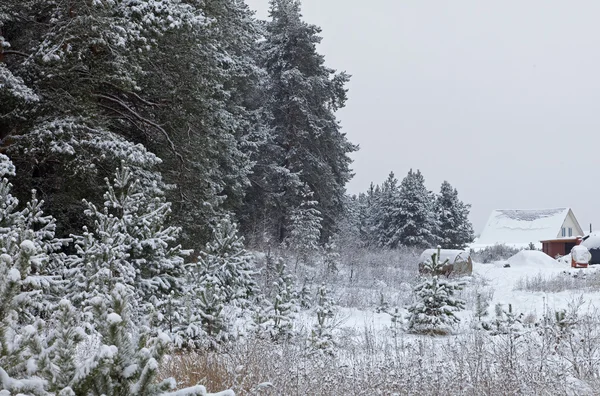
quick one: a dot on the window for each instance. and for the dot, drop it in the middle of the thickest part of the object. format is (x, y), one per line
(564, 232)
(570, 231)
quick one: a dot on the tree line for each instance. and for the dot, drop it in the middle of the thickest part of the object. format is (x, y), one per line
(222, 113)
(392, 215)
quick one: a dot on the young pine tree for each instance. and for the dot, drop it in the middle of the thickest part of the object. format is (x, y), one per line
(126, 361)
(305, 230)
(321, 336)
(223, 277)
(26, 240)
(129, 243)
(434, 310)
(277, 315)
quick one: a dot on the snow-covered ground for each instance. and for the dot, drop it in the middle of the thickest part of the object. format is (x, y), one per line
(501, 284)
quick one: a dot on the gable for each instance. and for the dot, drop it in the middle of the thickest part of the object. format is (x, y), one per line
(571, 222)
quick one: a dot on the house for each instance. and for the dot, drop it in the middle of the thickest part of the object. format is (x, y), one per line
(520, 228)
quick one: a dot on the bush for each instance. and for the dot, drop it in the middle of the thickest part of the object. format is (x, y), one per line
(494, 253)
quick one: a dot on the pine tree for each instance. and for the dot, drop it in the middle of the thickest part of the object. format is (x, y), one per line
(415, 213)
(455, 230)
(434, 310)
(321, 336)
(57, 359)
(65, 142)
(24, 288)
(126, 361)
(385, 223)
(129, 244)
(305, 230)
(203, 323)
(222, 277)
(307, 144)
(279, 310)
(153, 252)
(20, 336)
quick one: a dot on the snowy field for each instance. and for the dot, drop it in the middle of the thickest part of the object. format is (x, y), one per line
(546, 343)
(504, 286)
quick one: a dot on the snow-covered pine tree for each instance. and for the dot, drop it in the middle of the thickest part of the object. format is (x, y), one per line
(222, 277)
(130, 244)
(23, 254)
(58, 356)
(203, 322)
(322, 333)
(385, 223)
(101, 260)
(279, 310)
(127, 359)
(455, 230)
(305, 229)
(303, 95)
(415, 214)
(434, 310)
(20, 332)
(64, 144)
(235, 272)
(153, 250)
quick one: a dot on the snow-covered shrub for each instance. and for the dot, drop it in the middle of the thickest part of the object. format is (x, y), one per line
(494, 253)
(576, 280)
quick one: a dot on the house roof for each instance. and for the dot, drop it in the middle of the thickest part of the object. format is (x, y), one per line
(520, 227)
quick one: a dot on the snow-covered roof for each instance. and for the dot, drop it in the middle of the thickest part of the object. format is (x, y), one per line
(520, 227)
(445, 254)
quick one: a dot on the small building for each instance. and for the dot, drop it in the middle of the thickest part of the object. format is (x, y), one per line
(559, 246)
(520, 228)
(454, 261)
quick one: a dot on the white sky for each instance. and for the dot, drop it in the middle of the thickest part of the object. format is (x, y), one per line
(502, 99)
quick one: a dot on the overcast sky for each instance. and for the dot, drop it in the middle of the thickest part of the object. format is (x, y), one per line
(502, 99)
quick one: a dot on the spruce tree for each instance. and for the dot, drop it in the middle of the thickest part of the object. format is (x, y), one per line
(386, 224)
(415, 214)
(455, 230)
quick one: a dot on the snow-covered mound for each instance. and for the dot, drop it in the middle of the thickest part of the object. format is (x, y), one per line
(592, 241)
(533, 258)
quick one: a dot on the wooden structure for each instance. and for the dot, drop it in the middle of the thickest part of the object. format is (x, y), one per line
(559, 246)
(452, 261)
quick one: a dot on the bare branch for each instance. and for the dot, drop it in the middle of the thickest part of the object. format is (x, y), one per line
(135, 114)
